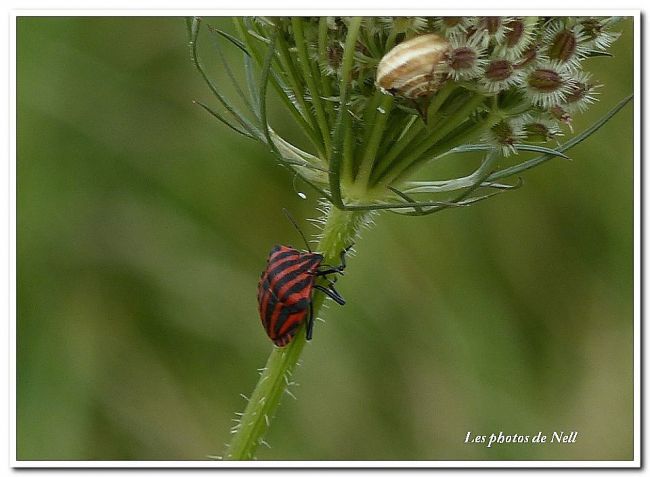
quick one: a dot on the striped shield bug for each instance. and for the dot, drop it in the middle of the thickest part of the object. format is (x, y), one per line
(286, 287)
(413, 68)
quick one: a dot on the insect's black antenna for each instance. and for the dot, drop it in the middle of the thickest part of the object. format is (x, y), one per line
(295, 224)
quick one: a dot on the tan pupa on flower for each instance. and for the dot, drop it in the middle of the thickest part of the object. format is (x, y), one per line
(413, 68)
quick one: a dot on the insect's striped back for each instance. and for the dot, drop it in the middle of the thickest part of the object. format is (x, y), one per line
(284, 291)
(410, 68)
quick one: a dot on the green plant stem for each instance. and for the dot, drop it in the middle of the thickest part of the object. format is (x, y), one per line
(323, 59)
(337, 141)
(380, 116)
(281, 89)
(457, 118)
(465, 136)
(437, 102)
(310, 77)
(390, 41)
(339, 231)
(411, 134)
(288, 66)
(348, 151)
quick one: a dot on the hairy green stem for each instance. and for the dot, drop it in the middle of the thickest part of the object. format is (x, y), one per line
(339, 231)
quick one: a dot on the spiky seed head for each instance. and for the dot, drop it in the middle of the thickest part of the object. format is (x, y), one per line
(490, 30)
(492, 24)
(499, 70)
(518, 38)
(405, 24)
(527, 58)
(465, 58)
(565, 44)
(559, 113)
(463, 62)
(545, 80)
(451, 27)
(505, 134)
(548, 85)
(541, 130)
(500, 74)
(581, 94)
(597, 32)
(516, 33)
(451, 22)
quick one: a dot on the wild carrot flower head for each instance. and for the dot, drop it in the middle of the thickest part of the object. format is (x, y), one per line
(378, 99)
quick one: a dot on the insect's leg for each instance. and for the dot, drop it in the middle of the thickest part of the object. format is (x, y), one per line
(431, 88)
(310, 322)
(329, 271)
(339, 299)
(421, 111)
(425, 110)
(343, 252)
(340, 268)
(332, 293)
(432, 78)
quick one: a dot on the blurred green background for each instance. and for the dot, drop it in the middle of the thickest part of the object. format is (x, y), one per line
(143, 225)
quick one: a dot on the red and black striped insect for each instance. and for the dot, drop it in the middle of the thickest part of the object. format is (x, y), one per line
(286, 286)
